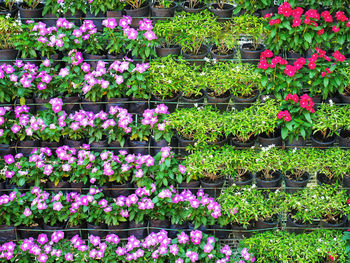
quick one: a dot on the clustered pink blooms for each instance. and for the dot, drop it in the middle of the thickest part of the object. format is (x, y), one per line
(305, 102)
(155, 246)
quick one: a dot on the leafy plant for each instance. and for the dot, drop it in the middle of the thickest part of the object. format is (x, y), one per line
(32, 4)
(62, 7)
(8, 30)
(252, 6)
(169, 32)
(225, 40)
(100, 6)
(326, 120)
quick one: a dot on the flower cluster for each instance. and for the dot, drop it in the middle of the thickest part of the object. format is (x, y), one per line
(156, 246)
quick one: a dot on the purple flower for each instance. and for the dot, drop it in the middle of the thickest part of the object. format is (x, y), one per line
(183, 238)
(42, 239)
(150, 35)
(27, 212)
(42, 258)
(182, 169)
(110, 23)
(9, 159)
(131, 33)
(69, 257)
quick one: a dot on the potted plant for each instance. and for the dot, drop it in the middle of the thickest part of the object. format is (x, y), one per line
(169, 34)
(7, 210)
(325, 125)
(237, 168)
(222, 9)
(268, 168)
(30, 9)
(163, 8)
(193, 6)
(344, 135)
(114, 8)
(225, 42)
(9, 7)
(73, 10)
(295, 119)
(328, 173)
(7, 137)
(8, 29)
(253, 28)
(345, 95)
(94, 48)
(193, 92)
(253, 7)
(74, 132)
(137, 8)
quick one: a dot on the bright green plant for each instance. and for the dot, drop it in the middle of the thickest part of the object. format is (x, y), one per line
(98, 6)
(252, 6)
(8, 29)
(73, 6)
(267, 162)
(32, 4)
(169, 32)
(225, 40)
(246, 81)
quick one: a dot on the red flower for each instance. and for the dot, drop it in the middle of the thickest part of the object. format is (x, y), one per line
(340, 16)
(307, 21)
(285, 9)
(280, 115)
(312, 13)
(348, 24)
(275, 21)
(296, 22)
(348, 201)
(323, 74)
(320, 32)
(290, 70)
(297, 12)
(332, 258)
(327, 16)
(287, 116)
(268, 15)
(312, 65)
(338, 56)
(335, 29)
(263, 64)
(266, 54)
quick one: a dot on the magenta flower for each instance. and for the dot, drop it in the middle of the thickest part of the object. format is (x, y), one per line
(27, 212)
(9, 159)
(42, 258)
(42, 239)
(182, 169)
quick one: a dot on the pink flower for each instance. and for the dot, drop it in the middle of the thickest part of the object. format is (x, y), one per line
(182, 169)
(335, 29)
(27, 212)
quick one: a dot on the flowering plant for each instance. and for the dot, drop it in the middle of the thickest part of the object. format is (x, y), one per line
(252, 6)
(295, 117)
(61, 7)
(6, 122)
(98, 6)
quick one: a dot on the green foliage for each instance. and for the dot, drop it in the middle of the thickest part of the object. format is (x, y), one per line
(8, 29)
(327, 120)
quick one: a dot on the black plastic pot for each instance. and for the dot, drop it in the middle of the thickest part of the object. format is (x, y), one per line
(4, 11)
(139, 230)
(166, 51)
(186, 7)
(77, 186)
(139, 147)
(6, 149)
(51, 145)
(292, 185)
(262, 225)
(156, 225)
(120, 102)
(40, 104)
(71, 104)
(239, 232)
(51, 229)
(318, 141)
(117, 147)
(29, 145)
(157, 146)
(120, 189)
(269, 184)
(323, 179)
(297, 228)
(97, 22)
(72, 231)
(115, 57)
(7, 233)
(292, 56)
(344, 98)
(170, 103)
(222, 141)
(346, 182)
(221, 232)
(344, 138)
(183, 143)
(342, 223)
(247, 180)
(193, 186)
(30, 14)
(225, 12)
(242, 103)
(50, 20)
(240, 144)
(114, 14)
(249, 54)
(138, 106)
(220, 56)
(76, 18)
(99, 146)
(264, 12)
(275, 139)
(139, 12)
(57, 188)
(92, 106)
(29, 231)
(177, 229)
(213, 188)
(197, 59)
(120, 230)
(94, 59)
(221, 103)
(72, 143)
(162, 12)
(296, 143)
(7, 55)
(191, 102)
(96, 230)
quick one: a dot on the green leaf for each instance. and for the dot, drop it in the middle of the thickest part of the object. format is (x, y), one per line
(284, 132)
(308, 37)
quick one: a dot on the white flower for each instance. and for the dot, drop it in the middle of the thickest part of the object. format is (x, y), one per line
(331, 102)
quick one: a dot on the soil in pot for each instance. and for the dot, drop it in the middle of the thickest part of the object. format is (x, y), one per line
(158, 145)
(95, 107)
(318, 140)
(7, 233)
(222, 12)
(99, 146)
(296, 143)
(157, 11)
(73, 143)
(71, 104)
(250, 54)
(324, 179)
(245, 179)
(193, 101)
(344, 138)
(269, 183)
(271, 139)
(52, 229)
(193, 186)
(97, 230)
(294, 183)
(214, 53)
(139, 147)
(8, 55)
(121, 230)
(26, 147)
(212, 187)
(30, 14)
(221, 232)
(138, 106)
(247, 144)
(197, 59)
(139, 12)
(156, 225)
(221, 102)
(138, 229)
(267, 224)
(192, 9)
(120, 102)
(183, 143)
(240, 103)
(166, 51)
(338, 222)
(171, 103)
(297, 227)
(120, 189)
